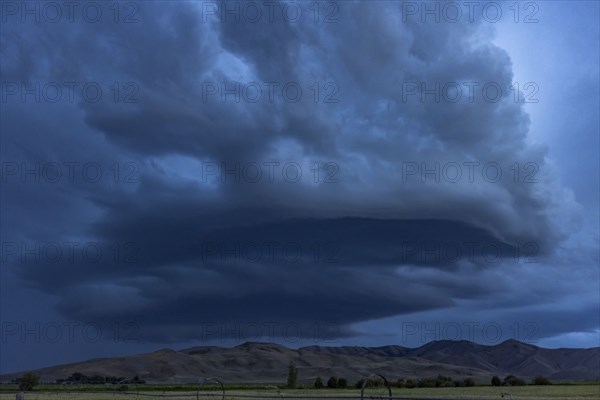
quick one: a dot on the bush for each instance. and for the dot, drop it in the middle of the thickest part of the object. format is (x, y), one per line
(332, 383)
(342, 383)
(375, 383)
(496, 381)
(426, 383)
(77, 377)
(28, 381)
(469, 382)
(512, 380)
(541, 380)
(409, 384)
(319, 383)
(443, 381)
(399, 383)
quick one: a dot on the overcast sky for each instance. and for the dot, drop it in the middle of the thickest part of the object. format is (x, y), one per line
(327, 173)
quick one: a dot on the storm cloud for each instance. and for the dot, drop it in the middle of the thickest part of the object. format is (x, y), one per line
(368, 167)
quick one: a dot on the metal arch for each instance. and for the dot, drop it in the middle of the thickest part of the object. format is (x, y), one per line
(209, 380)
(124, 382)
(385, 382)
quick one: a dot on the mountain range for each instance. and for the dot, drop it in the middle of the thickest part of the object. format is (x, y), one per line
(254, 362)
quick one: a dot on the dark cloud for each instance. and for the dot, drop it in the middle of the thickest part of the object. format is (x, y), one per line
(376, 241)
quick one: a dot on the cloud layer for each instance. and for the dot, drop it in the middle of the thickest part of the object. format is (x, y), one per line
(327, 205)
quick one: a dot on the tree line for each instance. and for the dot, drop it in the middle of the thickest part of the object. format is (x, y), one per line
(29, 380)
(441, 381)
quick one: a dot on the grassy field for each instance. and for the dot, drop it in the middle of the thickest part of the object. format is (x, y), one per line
(553, 392)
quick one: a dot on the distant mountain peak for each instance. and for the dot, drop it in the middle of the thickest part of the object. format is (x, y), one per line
(165, 350)
(514, 342)
(262, 362)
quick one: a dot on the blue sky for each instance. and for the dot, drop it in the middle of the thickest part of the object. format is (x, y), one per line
(355, 174)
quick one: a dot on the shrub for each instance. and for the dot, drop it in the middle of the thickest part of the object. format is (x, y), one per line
(28, 381)
(541, 380)
(409, 384)
(426, 383)
(469, 382)
(77, 377)
(496, 381)
(443, 381)
(512, 380)
(370, 383)
(342, 383)
(332, 383)
(319, 383)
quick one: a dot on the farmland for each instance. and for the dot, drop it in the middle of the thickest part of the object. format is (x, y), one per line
(552, 392)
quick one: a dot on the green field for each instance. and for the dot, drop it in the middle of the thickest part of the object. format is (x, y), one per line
(553, 392)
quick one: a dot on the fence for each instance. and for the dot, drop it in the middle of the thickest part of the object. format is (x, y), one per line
(208, 396)
(374, 387)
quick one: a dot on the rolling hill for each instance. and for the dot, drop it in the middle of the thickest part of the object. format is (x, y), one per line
(267, 362)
